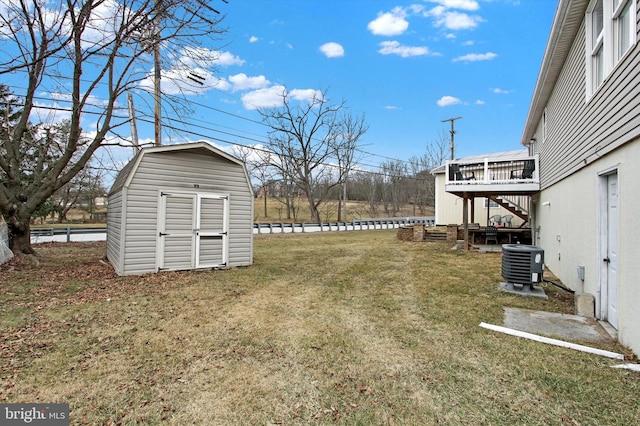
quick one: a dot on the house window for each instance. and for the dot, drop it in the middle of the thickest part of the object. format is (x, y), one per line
(597, 49)
(624, 27)
(611, 29)
(490, 204)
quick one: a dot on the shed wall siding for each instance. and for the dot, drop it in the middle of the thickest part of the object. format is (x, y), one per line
(114, 228)
(182, 171)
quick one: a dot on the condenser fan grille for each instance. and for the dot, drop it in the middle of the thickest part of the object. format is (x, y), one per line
(522, 264)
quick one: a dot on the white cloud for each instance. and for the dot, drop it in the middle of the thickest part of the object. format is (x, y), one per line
(49, 113)
(448, 101)
(389, 24)
(457, 21)
(206, 58)
(219, 83)
(395, 48)
(436, 11)
(263, 98)
(243, 82)
(474, 57)
(391, 107)
(253, 39)
(272, 97)
(458, 4)
(305, 94)
(99, 27)
(225, 59)
(332, 50)
(480, 102)
(186, 81)
(468, 43)
(501, 91)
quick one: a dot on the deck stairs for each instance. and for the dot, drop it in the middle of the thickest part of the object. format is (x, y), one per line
(512, 206)
(434, 236)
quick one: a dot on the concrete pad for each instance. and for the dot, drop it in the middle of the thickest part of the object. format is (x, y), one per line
(563, 326)
(524, 290)
(612, 332)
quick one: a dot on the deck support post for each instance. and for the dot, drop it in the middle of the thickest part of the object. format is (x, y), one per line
(465, 220)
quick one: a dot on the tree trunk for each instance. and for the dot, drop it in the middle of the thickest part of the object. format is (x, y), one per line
(62, 216)
(20, 236)
(266, 213)
(315, 214)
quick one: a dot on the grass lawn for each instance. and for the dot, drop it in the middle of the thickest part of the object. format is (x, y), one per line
(324, 328)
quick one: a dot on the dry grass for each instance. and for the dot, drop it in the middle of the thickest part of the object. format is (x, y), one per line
(276, 211)
(346, 328)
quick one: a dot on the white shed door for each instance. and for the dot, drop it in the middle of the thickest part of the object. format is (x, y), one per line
(192, 231)
(211, 231)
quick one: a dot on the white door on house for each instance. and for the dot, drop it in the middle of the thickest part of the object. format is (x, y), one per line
(192, 231)
(612, 250)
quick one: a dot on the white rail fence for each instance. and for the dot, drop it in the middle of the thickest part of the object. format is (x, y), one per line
(43, 235)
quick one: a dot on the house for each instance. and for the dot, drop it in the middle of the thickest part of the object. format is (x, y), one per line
(584, 124)
(494, 208)
(180, 207)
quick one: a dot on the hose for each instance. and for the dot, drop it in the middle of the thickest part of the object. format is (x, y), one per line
(560, 286)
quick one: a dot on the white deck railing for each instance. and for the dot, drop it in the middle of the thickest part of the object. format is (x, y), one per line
(493, 172)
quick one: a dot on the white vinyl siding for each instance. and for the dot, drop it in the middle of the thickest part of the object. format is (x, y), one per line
(585, 141)
(114, 224)
(610, 34)
(579, 133)
(624, 26)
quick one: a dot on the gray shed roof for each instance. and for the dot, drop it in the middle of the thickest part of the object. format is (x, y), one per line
(128, 171)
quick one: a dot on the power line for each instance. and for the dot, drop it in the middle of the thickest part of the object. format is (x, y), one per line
(249, 120)
(229, 142)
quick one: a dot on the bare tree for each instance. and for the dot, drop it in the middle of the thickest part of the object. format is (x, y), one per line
(80, 188)
(395, 191)
(305, 136)
(351, 129)
(281, 185)
(86, 54)
(419, 182)
(262, 173)
(437, 152)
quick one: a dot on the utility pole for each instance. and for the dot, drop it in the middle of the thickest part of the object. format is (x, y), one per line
(157, 73)
(453, 132)
(134, 127)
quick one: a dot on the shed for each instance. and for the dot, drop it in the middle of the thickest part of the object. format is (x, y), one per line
(180, 207)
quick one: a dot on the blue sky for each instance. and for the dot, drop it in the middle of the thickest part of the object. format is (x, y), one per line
(406, 65)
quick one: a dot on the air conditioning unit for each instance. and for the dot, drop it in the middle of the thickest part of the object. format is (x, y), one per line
(522, 264)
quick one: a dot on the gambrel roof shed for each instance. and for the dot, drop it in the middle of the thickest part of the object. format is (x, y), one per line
(180, 207)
